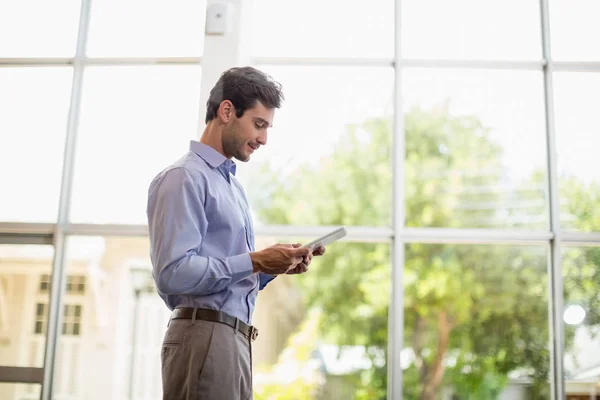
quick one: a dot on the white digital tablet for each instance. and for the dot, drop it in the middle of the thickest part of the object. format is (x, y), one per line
(327, 239)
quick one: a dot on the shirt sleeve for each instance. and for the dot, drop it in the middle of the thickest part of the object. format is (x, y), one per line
(264, 280)
(177, 224)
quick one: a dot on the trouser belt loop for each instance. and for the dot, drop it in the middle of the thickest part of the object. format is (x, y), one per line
(235, 327)
(194, 315)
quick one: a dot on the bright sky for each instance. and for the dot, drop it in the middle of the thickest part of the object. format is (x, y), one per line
(136, 120)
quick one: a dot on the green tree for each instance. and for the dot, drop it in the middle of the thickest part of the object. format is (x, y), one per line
(472, 313)
(581, 265)
(306, 382)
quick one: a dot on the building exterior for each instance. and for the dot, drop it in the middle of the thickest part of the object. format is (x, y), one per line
(101, 326)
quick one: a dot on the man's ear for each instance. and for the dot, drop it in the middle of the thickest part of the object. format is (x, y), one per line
(226, 111)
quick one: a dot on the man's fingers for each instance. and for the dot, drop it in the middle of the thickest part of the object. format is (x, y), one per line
(300, 251)
(299, 269)
(319, 251)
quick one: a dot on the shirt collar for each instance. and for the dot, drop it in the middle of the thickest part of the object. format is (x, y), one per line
(212, 156)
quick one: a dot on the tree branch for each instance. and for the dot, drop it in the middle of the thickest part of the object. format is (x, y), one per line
(435, 374)
(417, 344)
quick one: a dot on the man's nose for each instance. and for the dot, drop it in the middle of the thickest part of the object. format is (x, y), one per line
(262, 139)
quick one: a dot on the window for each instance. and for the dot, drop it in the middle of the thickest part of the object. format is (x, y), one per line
(333, 28)
(330, 330)
(475, 321)
(574, 30)
(100, 331)
(581, 274)
(38, 28)
(471, 29)
(41, 318)
(45, 283)
(71, 312)
(33, 125)
(472, 94)
(23, 308)
(344, 151)
(577, 134)
(147, 28)
(143, 117)
(71, 320)
(75, 284)
(475, 143)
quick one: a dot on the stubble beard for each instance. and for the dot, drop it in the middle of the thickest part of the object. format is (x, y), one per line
(233, 146)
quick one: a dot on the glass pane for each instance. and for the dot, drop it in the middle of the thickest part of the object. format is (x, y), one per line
(324, 334)
(45, 283)
(475, 148)
(38, 28)
(305, 323)
(471, 29)
(575, 30)
(134, 122)
(576, 97)
(581, 272)
(475, 322)
(23, 309)
(308, 173)
(142, 28)
(32, 135)
(333, 28)
(39, 309)
(99, 324)
(19, 391)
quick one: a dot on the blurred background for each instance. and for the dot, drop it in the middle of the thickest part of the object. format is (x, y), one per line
(457, 141)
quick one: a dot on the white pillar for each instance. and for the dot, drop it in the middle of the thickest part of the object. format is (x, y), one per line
(224, 50)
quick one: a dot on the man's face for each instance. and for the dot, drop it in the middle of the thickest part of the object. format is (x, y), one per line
(243, 136)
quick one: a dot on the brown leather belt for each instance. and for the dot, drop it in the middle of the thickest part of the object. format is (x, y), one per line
(215, 316)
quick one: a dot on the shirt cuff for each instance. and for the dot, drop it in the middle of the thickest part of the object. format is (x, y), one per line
(241, 266)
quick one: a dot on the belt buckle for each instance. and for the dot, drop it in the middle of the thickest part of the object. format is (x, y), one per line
(253, 333)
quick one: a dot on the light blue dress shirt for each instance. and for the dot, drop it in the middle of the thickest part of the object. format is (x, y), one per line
(201, 234)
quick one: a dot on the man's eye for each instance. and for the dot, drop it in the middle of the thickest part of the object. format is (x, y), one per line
(259, 126)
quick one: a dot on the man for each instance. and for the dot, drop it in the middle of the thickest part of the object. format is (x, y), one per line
(202, 245)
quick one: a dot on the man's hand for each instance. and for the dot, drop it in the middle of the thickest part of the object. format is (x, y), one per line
(303, 266)
(319, 251)
(279, 258)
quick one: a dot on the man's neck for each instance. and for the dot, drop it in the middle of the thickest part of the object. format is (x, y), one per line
(213, 137)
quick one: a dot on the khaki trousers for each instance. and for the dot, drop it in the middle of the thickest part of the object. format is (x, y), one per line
(204, 360)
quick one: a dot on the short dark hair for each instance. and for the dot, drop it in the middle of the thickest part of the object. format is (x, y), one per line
(243, 86)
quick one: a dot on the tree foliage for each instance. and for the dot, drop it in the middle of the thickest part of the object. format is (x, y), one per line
(473, 313)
